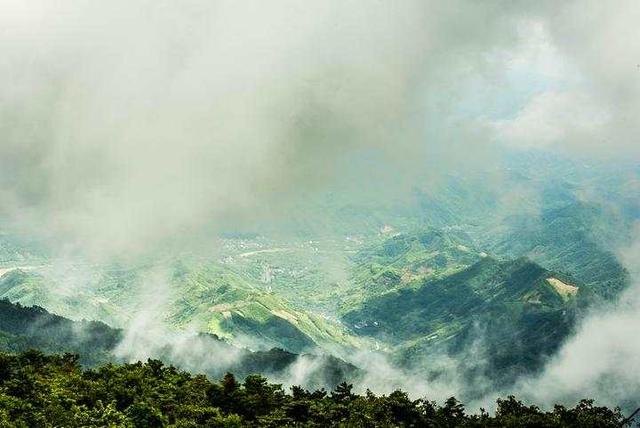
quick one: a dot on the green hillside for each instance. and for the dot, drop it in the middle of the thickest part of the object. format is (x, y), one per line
(520, 311)
(449, 270)
(405, 260)
(23, 328)
(204, 297)
(576, 239)
(216, 299)
(413, 294)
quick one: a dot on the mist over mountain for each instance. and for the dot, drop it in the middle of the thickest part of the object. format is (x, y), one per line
(438, 197)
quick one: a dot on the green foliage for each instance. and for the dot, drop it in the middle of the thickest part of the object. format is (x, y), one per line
(208, 297)
(38, 390)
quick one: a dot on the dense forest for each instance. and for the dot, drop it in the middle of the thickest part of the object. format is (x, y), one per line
(39, 390)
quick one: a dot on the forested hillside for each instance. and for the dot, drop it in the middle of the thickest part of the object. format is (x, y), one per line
(23, 328)
(576, 239)
(519, 311)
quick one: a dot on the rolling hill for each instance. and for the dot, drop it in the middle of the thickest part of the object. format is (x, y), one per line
(196, 296)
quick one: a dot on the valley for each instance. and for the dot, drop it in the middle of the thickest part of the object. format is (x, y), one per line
(420, 283)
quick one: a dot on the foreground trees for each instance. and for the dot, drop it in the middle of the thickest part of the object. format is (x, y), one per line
(39, 390)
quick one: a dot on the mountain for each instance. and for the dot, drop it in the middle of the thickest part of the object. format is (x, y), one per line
(214, 298)
(567, 214)
(576, 239)
(519, 311)
(513, 292)
(413, 294)
(23, 328)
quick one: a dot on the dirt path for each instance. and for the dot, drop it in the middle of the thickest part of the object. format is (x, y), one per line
(4, 271)
(270, 250)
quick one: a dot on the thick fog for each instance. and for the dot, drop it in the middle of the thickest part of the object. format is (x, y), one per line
(128, 126)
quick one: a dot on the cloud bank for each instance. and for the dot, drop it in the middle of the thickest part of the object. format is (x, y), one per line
(130, 125)
(591, 108)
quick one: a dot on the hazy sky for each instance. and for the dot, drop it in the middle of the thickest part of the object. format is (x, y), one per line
(128, 124)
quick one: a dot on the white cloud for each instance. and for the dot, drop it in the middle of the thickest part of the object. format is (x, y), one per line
(555, 119)
(593, 106)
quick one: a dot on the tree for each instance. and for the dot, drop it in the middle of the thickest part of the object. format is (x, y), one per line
(342, 393)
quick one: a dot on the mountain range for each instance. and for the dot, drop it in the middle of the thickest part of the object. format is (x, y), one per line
(459, 273)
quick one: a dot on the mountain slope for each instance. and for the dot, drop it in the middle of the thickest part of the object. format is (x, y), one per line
(405, 260)
(519, 312)
(205, 297)
(573, 239)
(23, 328)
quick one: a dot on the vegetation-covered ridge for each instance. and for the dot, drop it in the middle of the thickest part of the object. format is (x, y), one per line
(39, 390)
(521, 312)
(23, 328)
(209, 297)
